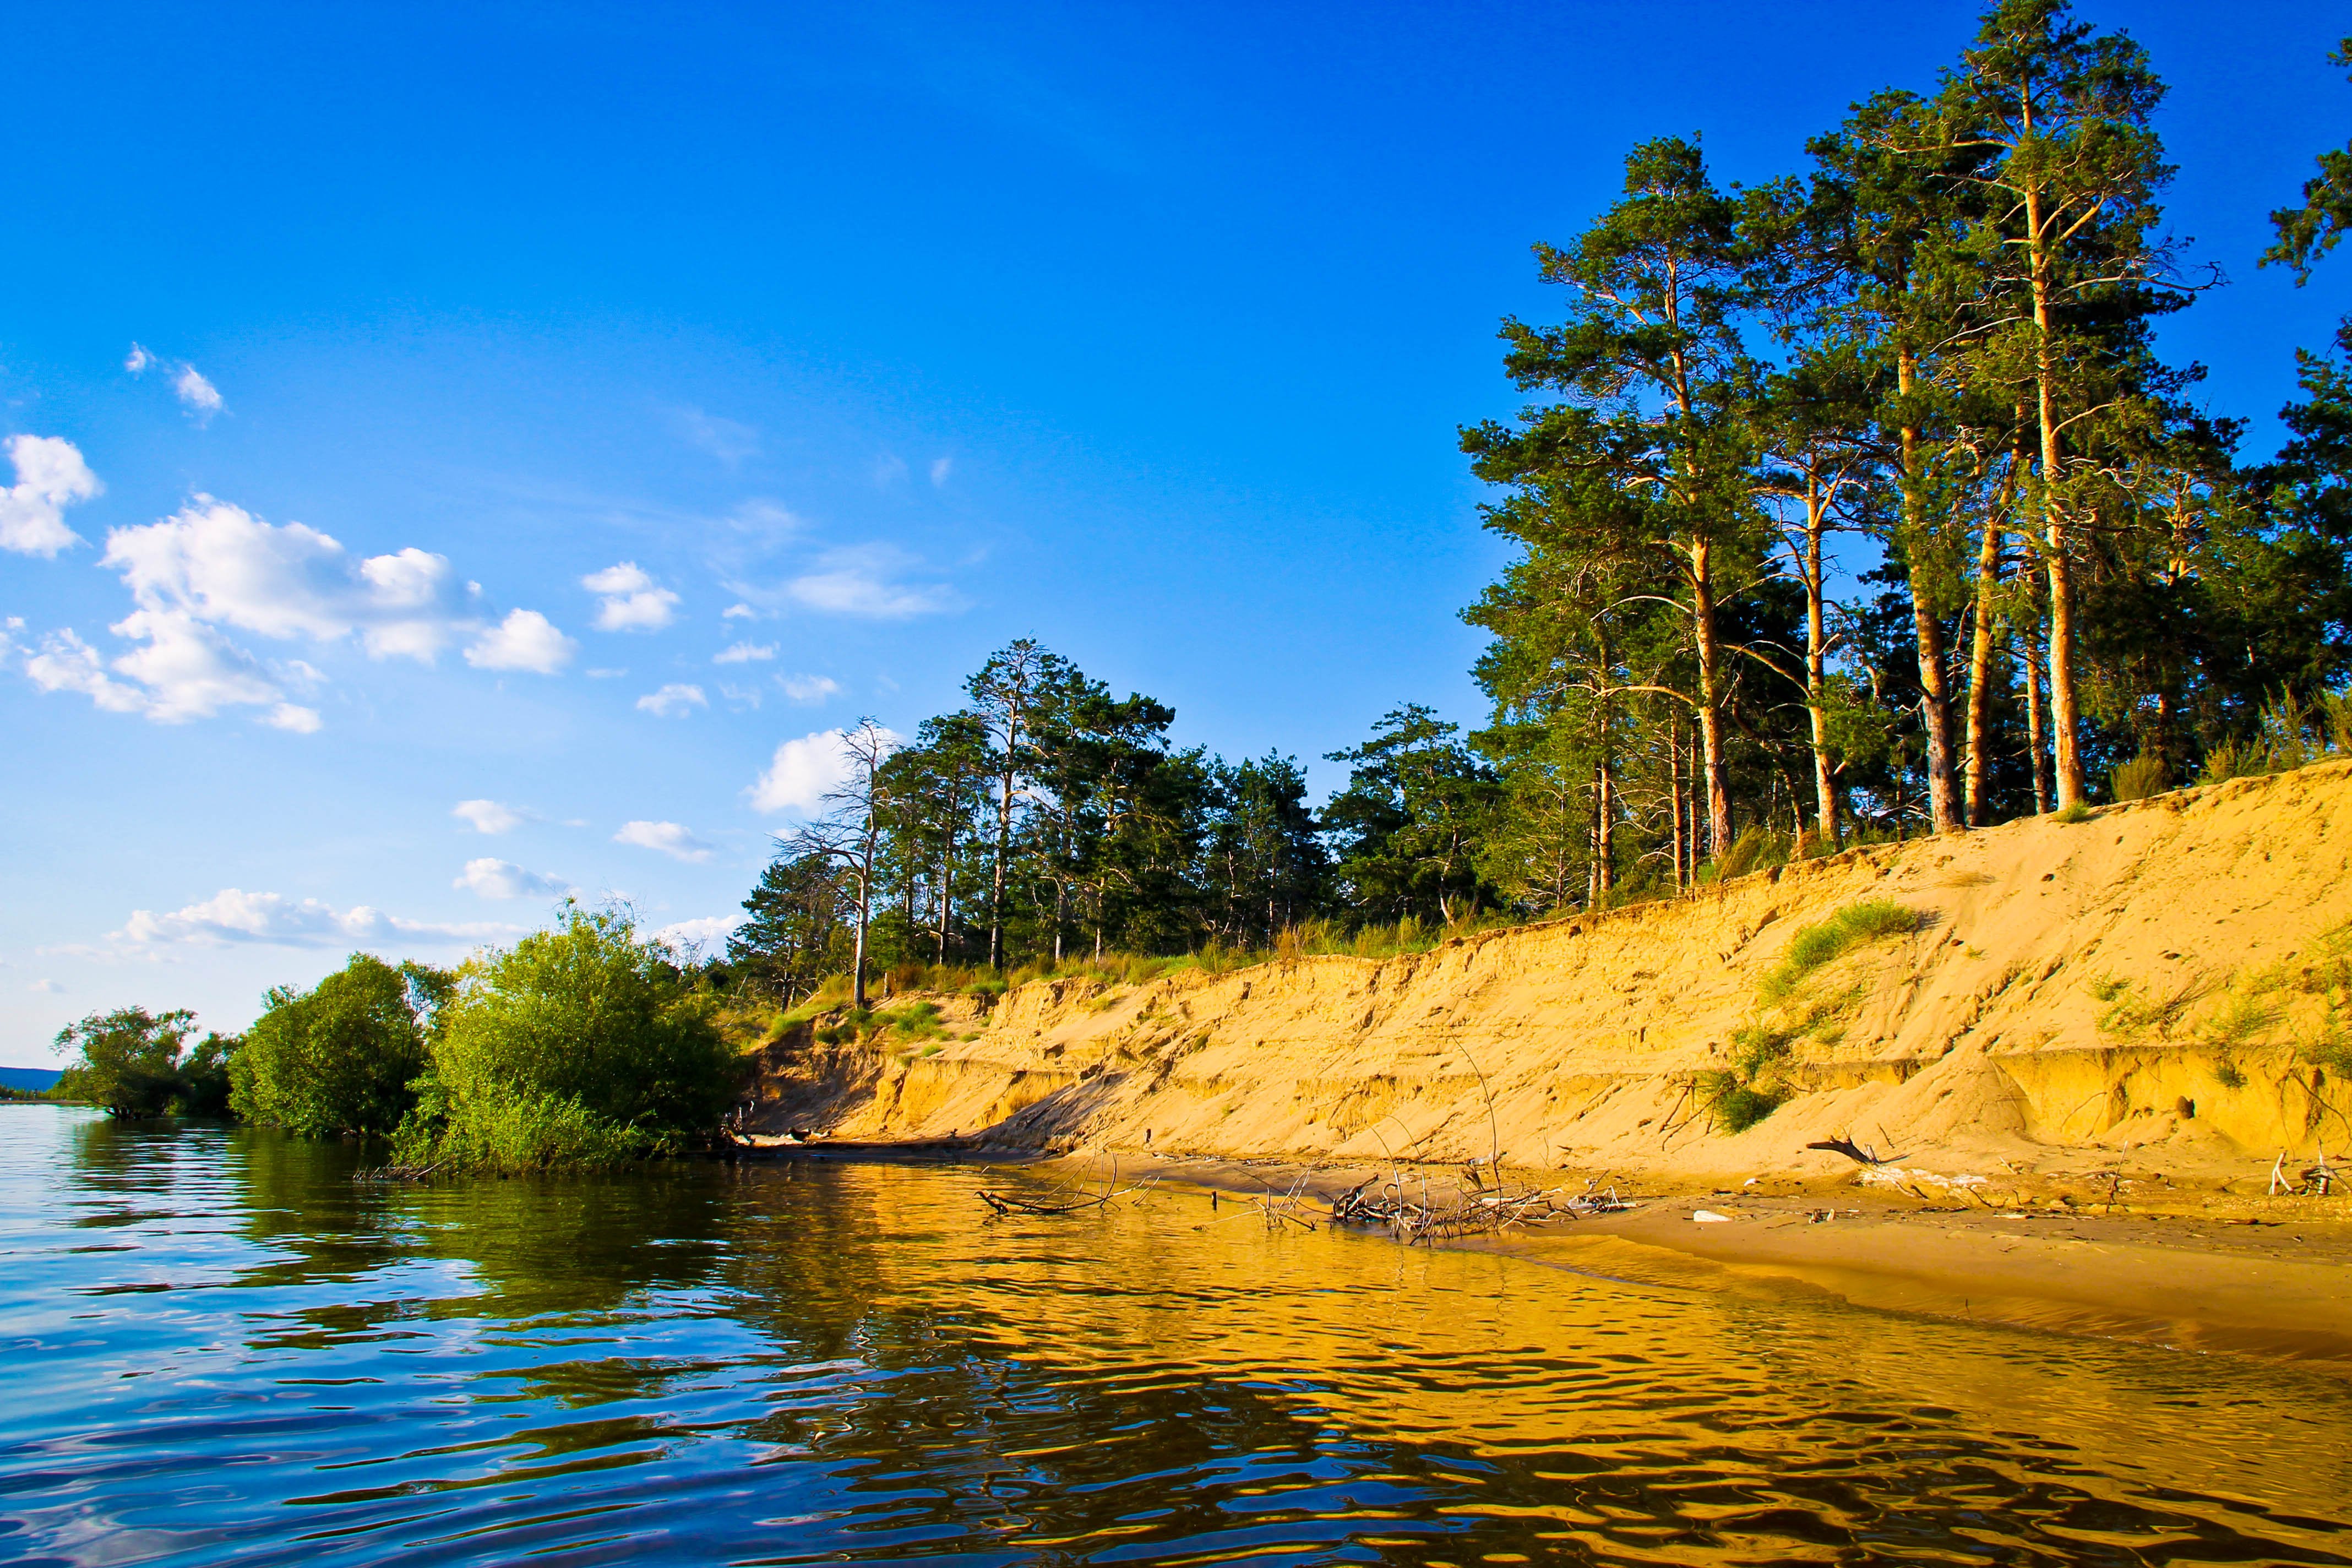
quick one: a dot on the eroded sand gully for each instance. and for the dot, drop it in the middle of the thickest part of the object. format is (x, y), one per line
(2111, 1015)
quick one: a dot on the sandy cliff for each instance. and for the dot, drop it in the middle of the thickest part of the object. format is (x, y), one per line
(2144, 989)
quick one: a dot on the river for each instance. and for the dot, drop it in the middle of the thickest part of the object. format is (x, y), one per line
(220, 1347)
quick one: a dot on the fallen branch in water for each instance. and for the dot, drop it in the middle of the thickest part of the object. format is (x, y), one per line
(1391, 1204)
(398, 1173)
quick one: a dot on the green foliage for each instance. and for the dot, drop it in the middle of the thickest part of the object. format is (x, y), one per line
(337, 1058)
(2078, 813)
(135, 1063)
(1412, 820)
(915, 1021)
(1853, 926)
(2229, 1076)
(579, 1045)
(2141, 778)
(1737, 1106)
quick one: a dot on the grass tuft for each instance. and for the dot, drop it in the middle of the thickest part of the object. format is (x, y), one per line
(1853, 926)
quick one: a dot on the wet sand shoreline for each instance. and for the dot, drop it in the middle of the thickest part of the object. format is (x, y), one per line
(2201, 1273)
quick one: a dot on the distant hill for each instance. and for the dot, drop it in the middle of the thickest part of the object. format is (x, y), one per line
(37, 1079)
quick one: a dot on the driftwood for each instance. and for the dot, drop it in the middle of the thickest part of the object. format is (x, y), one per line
(1862, 1153)
(1392, 1203)
(1071, 1199)
(398, 1173)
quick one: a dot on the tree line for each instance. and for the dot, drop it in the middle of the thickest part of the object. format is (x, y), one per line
(586, 1045)
(1854, 504)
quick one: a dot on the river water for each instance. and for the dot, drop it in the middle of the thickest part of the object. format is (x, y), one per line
(218, 1347)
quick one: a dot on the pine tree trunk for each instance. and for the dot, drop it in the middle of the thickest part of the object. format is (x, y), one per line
(1710, 715)
(1927, 628)
(2034, 748)
(1004, 847)
(1980, 659)
(1825, 806)
(1674, 796)
(2064, 708)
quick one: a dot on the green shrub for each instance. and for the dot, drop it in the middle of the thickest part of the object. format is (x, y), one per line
(2141, 777)
(135, 1063)
(2078, 812)
(1853, 926)
(2229, 1076)
(337, 1059)
(1737, 1106)
(580, 1045)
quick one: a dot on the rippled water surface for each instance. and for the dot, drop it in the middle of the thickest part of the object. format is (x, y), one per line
(218, 1347)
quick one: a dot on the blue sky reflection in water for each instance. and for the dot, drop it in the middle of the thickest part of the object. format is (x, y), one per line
(501, 429)
(221, 1348)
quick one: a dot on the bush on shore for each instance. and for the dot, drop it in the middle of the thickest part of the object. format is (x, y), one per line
(339, 1058)
(584, 1046)
(135, 1063)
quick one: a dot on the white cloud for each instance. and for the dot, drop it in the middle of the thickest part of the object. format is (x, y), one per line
(233, 917)
(605, 674)
(669, 837)
(48, 987)
(858, 580)
(491, 878)
(941, 468)
(219, 563)
(525, 640)
(729, 441)
(632, 602)
(184, 670)
(50, 476)
(738, 612)
(294, 717)
(800, 773)
(488, 816)
(742, 697)
(744, 653)
(199, 396)
(695, 933)
(138, 360)
(672, 700)
(809, 688)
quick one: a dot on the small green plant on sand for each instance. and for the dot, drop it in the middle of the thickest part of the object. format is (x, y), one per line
(1755, 1084)
(1853, 926)
(2229, 1076)
(2078, 812)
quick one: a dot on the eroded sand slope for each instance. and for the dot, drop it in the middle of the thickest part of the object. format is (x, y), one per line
(2151, 979)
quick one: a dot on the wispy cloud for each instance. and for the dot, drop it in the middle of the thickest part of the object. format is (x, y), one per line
(728, 440)
(744, 653)
(669, 839)
(941, 468)
(809, 688)
(233, 917)
(696, 933)
(864, 580)
(488, 816)
(491, 878)
(673, 701)
(196, 394)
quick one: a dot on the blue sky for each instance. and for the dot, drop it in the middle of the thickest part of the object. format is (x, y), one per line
(589, 343)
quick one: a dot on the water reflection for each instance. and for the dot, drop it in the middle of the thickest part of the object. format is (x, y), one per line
(789, 1365)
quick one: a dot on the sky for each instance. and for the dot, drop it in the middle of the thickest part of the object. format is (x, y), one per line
(465, 455)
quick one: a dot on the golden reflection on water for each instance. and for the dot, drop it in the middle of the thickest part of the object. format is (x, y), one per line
(805, 1362)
